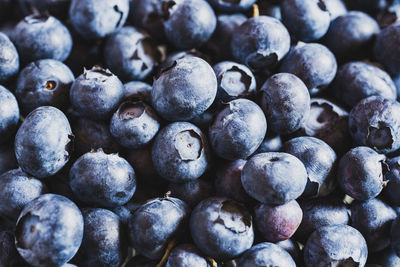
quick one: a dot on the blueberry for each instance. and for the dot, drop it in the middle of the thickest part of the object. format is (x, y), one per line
(104, 241)
(335, 8)
(358, 80)
(260, 42)
(395, 236)
(184, 89)
(191, 192)
(238, 129)
(9, 59)
(374, 122)
(307, 20)
(360, 173)
(220, 41)
(313, 63)
(134, 124)
(286, 102)
(351, 35)
(9, 114)
(44, 82)
(155, 224)
(57, 8)
(271, 143)
(274, 177)
(180, 152)
(373, 218)
(292, 247)
(266, 254)
(328, 122)
(96, 93)
(229, 6)
(49, 231)
(44, 142)
(95, 19)
(92, 135)
(9, 256)
(131, 54)
(39, 37)
(16, 190)
(234, 81)
(138, 90)
(387, 49)
(104, 180)
(186, 255)
(320, 212)
(188, 23)
(221, 228)
(278, 222)
(228, 181)
(320, 162)
(335, 244)
(7, 158)
(147, 15)
(393, 178)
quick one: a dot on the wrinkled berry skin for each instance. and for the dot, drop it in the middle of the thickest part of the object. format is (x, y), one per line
(391, 191)
(285, 102)
(9, 59)
(307, 20)
(134, 124)
(43, 143)
(395, 236)
(373, 218)
(104, 241)
(191, 192)
(94, 19)
(189, 23)
(9, 114)
(186, 255)
(274, 177)
(184, 89)
(319, 212)
(234, 81)
(260, 42)
(228, 181)
(220, 41)
(266, 254)
(335, 244)
(96, 94)
(313, 63)
(180, 152)
(44, 82)
(358, 80)
(155, 224)
(387, 48)
(374, 122)
(104, 180)
(92, 135)
(238, 129)
(360, 173)
(351, 35)
(16, 190)
(131, 54)
(227, 6)
(39, 37)
(328, 122)
(278, 222)
(221, 228)
(7, 158)
(320, 162)
(9, 256)
(49, 231)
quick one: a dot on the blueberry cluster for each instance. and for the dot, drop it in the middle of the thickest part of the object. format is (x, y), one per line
(199, 133)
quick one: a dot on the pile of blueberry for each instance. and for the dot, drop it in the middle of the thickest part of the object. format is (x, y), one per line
(199, 133)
